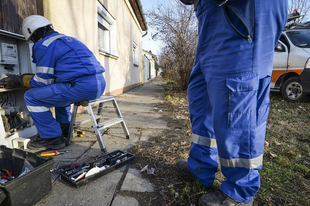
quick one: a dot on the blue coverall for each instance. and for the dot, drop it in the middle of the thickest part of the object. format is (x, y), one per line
(228, 91)
(66, 72)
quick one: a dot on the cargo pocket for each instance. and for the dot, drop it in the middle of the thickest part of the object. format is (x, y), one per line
(242, 102)
(263, 100)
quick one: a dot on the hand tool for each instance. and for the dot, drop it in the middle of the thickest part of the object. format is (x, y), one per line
(80, 132)
(75, 170)
(6, 174)
(78, 176)
(53, 153)
(113, 160)
(95, 170)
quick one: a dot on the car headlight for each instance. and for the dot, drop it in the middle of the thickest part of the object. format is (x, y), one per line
(307, 65)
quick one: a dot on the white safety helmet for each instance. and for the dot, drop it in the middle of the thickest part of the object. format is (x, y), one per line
(32, 23)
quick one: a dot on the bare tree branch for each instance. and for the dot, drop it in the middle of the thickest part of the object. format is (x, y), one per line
(176, 26)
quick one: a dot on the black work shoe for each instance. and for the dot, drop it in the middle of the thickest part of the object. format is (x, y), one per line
(182, 167)
(218, 198)
(44, 144)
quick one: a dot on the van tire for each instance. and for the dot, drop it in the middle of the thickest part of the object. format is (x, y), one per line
(292, 90)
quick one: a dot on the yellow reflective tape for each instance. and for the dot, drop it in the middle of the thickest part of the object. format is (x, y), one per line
(242, 162)
(38, 109)
(45, 70)
(205, 141)
(43, 81)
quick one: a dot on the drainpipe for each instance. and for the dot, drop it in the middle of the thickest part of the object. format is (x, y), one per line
(143, 17)
(144, 34)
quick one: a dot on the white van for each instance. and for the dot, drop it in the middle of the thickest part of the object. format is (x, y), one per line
(291, 64)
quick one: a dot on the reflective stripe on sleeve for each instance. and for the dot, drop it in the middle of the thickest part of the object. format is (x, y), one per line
(205, 141)
(50, 40)
(43, 81)
(241, 162)
(45, 70)
(38, 108)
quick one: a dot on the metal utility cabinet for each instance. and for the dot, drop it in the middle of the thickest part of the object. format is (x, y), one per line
(16, 125)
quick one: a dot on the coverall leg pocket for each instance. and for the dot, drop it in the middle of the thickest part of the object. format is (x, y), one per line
(242, 102)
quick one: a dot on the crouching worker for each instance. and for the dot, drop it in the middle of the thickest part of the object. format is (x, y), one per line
(66, 72)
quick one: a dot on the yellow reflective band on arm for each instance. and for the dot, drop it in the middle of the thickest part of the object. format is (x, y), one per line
(50, 40)
(26, 80)
(205, 141)
(45, 70)
(241, 162)
(43, 81)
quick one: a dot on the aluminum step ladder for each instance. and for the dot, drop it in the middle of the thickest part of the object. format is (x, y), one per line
(95, 119)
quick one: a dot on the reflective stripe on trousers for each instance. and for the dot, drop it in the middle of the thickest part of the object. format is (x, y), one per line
(228, 91)
(60, 95)
(236, 162)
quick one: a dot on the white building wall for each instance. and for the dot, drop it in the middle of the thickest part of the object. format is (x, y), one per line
(79, 18)
(149, 65)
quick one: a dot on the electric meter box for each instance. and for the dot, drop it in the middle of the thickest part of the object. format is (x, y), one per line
(8, 54)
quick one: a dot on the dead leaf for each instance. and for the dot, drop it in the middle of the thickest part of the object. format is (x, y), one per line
(144, 168)
(277, 143)
(183, 143)
(272, 154)
(291, 153)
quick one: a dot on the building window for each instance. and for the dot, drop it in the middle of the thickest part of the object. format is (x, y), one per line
(135, 54)
(106, 32)
(104, 36)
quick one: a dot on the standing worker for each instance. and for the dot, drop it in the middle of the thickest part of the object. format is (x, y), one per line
(66, 72)
(228, 94)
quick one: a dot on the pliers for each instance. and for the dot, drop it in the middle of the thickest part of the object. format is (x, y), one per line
(6, 174)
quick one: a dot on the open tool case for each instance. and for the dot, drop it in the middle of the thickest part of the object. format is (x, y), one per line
(32, 177)
(79, 174)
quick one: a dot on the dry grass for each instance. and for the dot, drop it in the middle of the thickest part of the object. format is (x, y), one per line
(285, 177)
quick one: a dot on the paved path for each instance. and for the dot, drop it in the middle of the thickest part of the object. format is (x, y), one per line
(143, 120)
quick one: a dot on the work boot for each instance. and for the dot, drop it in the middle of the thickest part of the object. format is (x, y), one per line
(182, 167)
(44, 144)
(218, 198)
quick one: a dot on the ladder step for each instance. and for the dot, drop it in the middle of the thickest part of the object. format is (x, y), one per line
(77, 123)
(109, 123)
(102, 99)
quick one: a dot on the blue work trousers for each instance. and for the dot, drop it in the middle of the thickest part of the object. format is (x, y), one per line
(60, 95)
(228, 91)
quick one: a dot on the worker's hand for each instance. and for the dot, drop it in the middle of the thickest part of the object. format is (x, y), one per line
(26, 79)
(12, 81)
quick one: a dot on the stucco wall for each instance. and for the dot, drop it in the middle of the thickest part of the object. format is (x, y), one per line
(121, 73)
(78, 18)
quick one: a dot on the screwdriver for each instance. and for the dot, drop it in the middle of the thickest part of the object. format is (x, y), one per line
(80, 133)
(53, 153)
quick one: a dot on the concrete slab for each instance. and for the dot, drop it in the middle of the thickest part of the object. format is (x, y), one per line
(143, 121)
(124, 201)
(140, 184)
(98, 192)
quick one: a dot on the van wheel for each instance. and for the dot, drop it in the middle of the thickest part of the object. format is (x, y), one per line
(292, 90)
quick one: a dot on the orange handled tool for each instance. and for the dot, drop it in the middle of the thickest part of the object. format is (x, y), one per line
(80, 132)
(53, 153)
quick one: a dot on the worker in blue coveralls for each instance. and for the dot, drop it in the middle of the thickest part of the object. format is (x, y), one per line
(66, 72)
(228, 95)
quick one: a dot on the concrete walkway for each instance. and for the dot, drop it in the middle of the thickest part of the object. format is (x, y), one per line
(138, 107)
